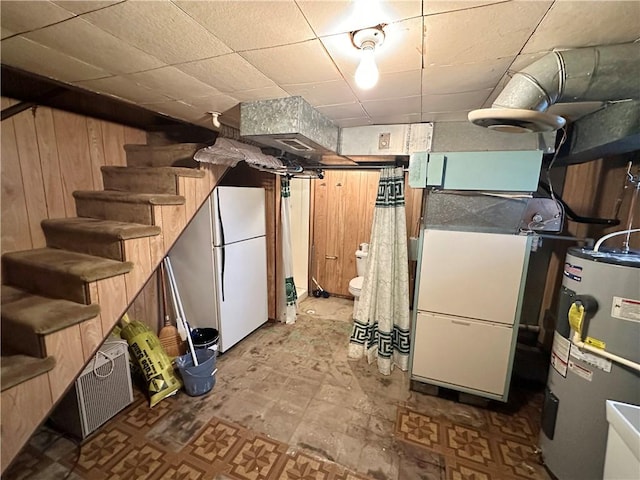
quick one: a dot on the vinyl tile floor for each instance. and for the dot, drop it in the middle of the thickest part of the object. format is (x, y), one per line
(289, 404)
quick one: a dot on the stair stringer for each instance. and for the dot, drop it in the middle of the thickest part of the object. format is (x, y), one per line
(28, 404)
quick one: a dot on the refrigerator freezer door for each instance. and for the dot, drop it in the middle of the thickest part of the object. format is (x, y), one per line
(241, 289)
(472, 274)
(192, 262)
(238, 214)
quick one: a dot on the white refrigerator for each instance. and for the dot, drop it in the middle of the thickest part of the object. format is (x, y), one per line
(220, 264)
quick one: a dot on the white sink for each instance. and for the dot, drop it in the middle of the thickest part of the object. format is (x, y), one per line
(622, 460)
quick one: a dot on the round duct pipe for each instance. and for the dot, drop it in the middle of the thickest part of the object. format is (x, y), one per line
(603, 73)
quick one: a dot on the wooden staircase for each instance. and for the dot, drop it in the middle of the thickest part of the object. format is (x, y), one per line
(60, 302)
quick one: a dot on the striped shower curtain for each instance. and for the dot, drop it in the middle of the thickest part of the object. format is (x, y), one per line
(381, 321)
(287, 256)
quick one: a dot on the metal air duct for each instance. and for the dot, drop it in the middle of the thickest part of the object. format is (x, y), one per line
(603, 73)
(289, 124)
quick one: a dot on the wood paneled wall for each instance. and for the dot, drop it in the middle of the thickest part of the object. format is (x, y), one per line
(46, 155)
(592, 189)
(343, 207)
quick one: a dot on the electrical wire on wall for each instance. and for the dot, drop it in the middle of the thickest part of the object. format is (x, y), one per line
(550, 166)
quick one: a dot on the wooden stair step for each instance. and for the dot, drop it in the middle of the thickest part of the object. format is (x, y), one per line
(146, 179)
(175, 155)
(122, 206)
(17, 369)
(59, 273)
(27, 318)
(102, 238)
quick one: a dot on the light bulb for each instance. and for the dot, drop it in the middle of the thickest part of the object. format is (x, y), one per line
(367, 72)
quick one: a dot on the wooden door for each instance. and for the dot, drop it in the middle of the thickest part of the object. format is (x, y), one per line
(343, 212)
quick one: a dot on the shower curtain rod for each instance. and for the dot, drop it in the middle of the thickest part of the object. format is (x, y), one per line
(353, 167)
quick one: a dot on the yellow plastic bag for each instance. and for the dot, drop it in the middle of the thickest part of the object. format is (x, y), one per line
(153, 361)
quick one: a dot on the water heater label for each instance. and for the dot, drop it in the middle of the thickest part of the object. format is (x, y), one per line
(574, 272)
(560, 353)
(580, 371)
(626, 309)
(592, 359)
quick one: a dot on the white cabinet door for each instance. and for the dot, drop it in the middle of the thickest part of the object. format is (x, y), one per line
(472, 274)
(462, 352)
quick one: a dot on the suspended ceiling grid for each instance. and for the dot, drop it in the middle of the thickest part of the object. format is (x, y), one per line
(440, 59)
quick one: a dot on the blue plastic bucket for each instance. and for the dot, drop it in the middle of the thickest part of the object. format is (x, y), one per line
(201, 379)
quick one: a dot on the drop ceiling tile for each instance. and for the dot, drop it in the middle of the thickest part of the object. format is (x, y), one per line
(464, 78)
(82, 40)
(324, 93)
(228, 73)
(496, 91)
(265, 93)
(331, 17)
(347, 110)
(5, 32)
(177, 109)
(393, 106)
(160, 29)
(483, 33)
(30, 56)
(353, 122)
(21, 16)
(454, 102)
(83, 6)
(305, 62)
(401, 50)
(445, 116)
(391, 85)
(435, 7)
(243, 25)
(395, 119)
(124, 88)
(217, 103)
(582, 24)
(173, 83)
(524, 60)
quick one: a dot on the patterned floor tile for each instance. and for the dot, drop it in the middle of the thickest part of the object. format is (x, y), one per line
(140, 416)
(217, 441)
(458, 469)
(519, 459)
(418, 428)
(514, 425)
(257, 458)
(140, 463)
(299, 466)
(469, 444)
(107, 447)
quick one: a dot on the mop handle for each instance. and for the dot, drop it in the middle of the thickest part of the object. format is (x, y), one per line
(177, 305)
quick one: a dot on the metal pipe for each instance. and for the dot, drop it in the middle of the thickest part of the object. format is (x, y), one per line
(582, 74)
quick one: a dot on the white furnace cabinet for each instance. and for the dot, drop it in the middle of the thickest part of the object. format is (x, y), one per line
(469, 296)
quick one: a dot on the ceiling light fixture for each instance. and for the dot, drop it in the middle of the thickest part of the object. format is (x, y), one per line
(367, 40)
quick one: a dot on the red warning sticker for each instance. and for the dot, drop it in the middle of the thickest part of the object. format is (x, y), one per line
(574, 272)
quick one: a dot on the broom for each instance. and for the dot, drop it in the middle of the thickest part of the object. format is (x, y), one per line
(169, 337)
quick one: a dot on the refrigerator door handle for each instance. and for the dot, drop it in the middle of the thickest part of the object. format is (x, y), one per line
(222, 272)
(220, 241)
(221, 226)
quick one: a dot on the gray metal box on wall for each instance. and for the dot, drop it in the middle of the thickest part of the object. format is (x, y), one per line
(289, 124)
(514, 171)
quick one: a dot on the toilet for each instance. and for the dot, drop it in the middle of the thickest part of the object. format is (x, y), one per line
(355, 285)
